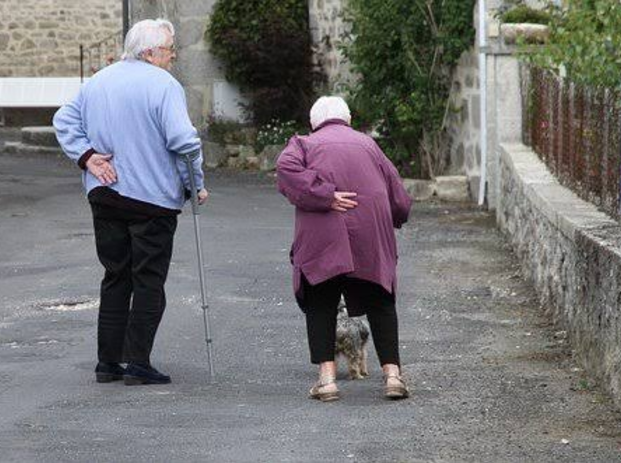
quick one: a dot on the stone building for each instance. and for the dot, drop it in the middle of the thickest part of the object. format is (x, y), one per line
(41, 38)
(209, 94)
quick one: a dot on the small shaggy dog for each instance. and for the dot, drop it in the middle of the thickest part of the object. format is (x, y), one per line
(352, 335)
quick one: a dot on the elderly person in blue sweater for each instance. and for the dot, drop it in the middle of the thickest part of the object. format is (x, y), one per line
(129, 131)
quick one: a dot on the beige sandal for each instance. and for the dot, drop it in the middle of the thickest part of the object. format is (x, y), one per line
(395, 392)
(318, 391)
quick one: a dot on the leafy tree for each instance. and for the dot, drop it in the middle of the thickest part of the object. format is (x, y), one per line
(403, 52)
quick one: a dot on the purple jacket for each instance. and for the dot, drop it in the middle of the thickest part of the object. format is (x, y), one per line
(360, 242)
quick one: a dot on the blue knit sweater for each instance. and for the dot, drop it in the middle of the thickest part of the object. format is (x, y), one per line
(137, 112)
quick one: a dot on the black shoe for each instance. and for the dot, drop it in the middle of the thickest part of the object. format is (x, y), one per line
(107, 372)
(137, 374)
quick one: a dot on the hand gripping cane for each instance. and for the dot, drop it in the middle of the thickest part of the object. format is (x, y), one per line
(201, 270)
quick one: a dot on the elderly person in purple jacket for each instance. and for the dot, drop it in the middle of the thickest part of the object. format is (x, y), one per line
(348, 198)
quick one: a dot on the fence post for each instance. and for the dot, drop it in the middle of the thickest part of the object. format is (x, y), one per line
(605, 115)
(560, 123)
(125, 18)
(571, 139)
(81, 63)
(551, 84)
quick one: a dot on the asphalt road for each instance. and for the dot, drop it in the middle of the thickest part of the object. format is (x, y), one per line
(493, 380)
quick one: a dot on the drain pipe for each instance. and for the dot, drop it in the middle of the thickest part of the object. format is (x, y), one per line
(483, 90)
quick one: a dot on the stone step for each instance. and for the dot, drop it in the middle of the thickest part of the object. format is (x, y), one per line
(452, 188)
(27, 149)
(420, 190)
(39, 136)
(9, 134)
(214, 155)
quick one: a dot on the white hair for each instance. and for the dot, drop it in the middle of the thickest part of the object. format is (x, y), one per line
(329, 107)
(146, 35)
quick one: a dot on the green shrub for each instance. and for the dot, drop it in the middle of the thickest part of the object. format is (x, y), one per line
(403, 52)
(276, 133)
(265, 46)
(585, 41)
(526, 14)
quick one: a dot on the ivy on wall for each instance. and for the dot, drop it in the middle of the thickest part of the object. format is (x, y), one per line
(265, 46)
(403, 52)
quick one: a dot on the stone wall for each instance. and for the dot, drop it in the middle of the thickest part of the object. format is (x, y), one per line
(327, 29)
(464, 121)
(571, 252)
(200, 73)
(41, 38)
(503, 106)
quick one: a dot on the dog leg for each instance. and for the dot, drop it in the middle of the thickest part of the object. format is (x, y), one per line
(364, 368)
(354, 368)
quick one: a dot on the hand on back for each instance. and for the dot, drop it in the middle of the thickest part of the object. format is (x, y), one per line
(100, 165)
(343, 201)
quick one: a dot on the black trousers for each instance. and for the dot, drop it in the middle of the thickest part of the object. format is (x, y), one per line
(135, 251)
(322, 302)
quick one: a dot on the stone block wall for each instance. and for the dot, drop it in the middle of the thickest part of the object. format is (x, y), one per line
(41, 38)
(327, 28)
(196, 68)
(200, 73)
(464, 120)
(503, 106)
(572, 254)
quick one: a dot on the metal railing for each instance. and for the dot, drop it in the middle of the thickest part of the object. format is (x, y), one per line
(576, 131)
(100, 54)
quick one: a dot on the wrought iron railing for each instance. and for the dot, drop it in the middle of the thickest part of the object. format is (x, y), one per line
(576, 131)
(100, 54)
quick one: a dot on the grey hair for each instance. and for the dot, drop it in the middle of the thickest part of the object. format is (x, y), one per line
(146, 35)
(329, 107)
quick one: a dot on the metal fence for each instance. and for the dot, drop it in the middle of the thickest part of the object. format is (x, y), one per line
(99, 55)
(576, 131)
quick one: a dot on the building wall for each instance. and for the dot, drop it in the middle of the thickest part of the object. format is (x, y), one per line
(327, 30)
(464, 120)
(202, 75)
(41, 38)
(503, 106)
(197, 70)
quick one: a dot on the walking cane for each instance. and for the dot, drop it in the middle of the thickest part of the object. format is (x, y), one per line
(201, 270)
